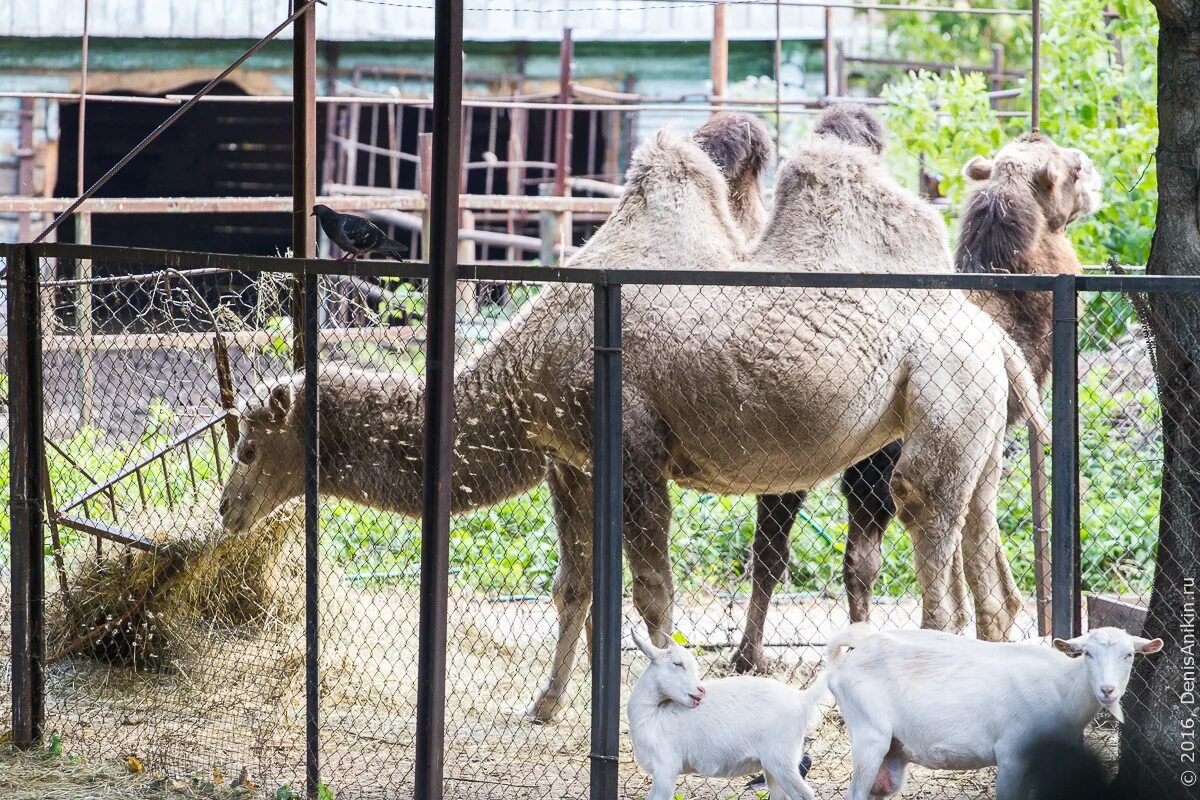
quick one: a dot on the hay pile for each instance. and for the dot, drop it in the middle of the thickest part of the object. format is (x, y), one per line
(137, 608)
(41, 776)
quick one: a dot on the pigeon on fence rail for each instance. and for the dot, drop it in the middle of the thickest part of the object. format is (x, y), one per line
(355, 235)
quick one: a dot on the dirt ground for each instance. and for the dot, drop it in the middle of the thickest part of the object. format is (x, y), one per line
(236, 705)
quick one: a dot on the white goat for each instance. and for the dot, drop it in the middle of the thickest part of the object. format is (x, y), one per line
(947, 702)
(722, 728)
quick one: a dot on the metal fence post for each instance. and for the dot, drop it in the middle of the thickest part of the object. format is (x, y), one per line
(606, 537)
(25, 505)
(312, 538)
(1065, 459)
(439, 397)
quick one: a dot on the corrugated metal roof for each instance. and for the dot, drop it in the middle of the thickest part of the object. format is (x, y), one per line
(385, 20)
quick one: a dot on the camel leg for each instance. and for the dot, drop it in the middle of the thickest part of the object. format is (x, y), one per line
(870, 509)
(772, 535)
(647, 527)
(933, 482)
(571, 494)
(997, 600)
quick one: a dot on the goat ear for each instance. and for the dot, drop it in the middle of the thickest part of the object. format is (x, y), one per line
(279, 401)
(1072, 647)
(1047, 177)
(978, 169)
(643, 644)
(1147, 645)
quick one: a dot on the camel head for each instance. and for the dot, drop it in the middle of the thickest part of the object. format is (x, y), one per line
(737, 143)
(1065, 183)
(854, 124)
(268, 460)
(740, 146)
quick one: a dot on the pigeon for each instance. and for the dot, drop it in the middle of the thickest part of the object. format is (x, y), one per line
(355, 235)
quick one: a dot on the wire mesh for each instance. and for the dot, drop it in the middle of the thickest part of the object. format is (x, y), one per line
(183, 644)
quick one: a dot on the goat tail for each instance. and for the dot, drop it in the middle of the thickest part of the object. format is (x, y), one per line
(848, 638)
(822, 700)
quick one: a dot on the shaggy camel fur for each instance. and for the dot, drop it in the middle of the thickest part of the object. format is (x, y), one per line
(1014, 221)
(795, 386)
(838, 168)
(741, 146)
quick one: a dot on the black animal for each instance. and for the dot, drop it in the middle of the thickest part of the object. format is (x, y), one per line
(1065, 770)
(355, 235)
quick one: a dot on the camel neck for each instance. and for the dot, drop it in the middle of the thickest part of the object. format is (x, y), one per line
(372, 439)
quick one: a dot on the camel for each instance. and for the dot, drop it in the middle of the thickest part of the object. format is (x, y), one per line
(794, 385)
(1014, 221)
(840, 169)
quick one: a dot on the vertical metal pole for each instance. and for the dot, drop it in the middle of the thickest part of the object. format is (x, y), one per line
(606, 538)
(80, 186)
(25, 163)
(439, 396)
(827, 49)
(305, 319)
(563, 134)
(1064, 543)
(719, 56)
(1035, 121)
(26, 491)
(778, 70)
(304, 160)
(312, 540)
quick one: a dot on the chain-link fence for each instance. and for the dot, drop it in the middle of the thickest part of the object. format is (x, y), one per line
(174, 411)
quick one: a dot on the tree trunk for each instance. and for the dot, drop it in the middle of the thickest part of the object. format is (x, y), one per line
(1158, 740)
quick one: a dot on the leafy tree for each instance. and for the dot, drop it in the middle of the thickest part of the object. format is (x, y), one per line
(952, 37)
(1158, 741)
(1097, 84)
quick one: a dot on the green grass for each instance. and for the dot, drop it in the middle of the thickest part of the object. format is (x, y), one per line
(510, 549)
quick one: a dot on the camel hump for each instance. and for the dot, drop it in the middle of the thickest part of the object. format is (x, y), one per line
(670, 160)
(738, 144)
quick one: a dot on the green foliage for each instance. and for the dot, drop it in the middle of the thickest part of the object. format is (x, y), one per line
(1098, 94)
(942, 122)
(280, 330)
(286, 792)
(403, 300)
(966, 39)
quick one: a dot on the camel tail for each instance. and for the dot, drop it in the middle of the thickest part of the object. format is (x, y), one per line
(1025, 402)
(1024, 397)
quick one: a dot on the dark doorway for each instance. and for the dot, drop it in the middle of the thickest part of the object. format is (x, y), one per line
(233, 149)
(214, 150)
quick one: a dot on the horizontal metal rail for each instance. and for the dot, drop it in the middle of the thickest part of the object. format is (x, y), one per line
(392, 200)
(415, 270)
(398, 335)
(112, 533)
(142, 463)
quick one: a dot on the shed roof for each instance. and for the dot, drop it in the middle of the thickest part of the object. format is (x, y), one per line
(383, 20)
